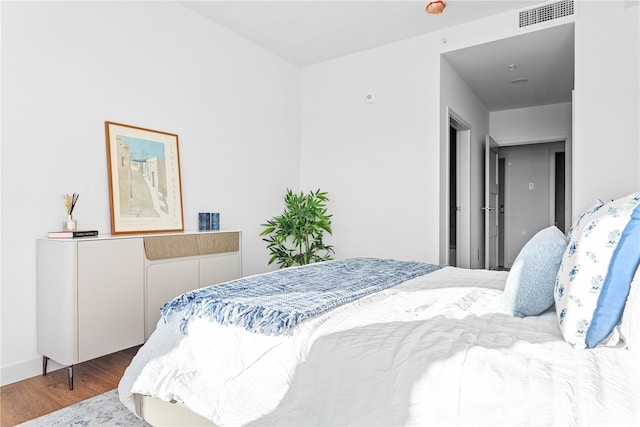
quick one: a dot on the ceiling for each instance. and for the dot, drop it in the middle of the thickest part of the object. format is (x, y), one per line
(306, 32)
(544, 58)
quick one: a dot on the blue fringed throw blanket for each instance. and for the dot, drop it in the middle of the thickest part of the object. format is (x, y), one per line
(275, 302)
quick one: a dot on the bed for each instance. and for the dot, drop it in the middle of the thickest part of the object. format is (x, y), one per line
(442, 346)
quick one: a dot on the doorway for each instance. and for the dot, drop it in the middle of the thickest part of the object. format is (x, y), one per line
(533, 191)
(458, 227)
(559, 190)
(484, 79)
(453, 195)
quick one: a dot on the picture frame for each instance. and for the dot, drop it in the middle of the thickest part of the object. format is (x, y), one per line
(145, 189)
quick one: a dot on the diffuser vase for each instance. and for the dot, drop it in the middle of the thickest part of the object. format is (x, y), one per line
(70, 224)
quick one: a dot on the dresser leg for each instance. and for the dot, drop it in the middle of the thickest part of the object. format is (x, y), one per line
(45, 359)
(70, 375)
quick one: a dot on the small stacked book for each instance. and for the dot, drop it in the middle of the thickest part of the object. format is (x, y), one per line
(70, 234)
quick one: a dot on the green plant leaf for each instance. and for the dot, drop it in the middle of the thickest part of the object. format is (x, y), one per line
(295, 237)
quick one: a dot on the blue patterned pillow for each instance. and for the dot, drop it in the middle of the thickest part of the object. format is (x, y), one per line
(596, 271)
(530, 283)
(587, 213)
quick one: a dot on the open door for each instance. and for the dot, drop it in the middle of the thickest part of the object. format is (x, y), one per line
(490, 204)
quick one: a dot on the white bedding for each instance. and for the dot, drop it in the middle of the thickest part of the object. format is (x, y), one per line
(438, 350)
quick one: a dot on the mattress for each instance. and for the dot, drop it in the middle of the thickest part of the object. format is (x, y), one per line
(439, 349)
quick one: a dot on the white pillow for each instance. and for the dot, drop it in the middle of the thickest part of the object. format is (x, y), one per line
(531, 280)
(596, 272)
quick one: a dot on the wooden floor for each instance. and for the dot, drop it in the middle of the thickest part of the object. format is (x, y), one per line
(34, 397)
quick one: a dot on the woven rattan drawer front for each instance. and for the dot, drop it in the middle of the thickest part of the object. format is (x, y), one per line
(184, 245)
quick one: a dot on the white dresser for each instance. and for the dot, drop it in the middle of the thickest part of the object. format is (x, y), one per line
(96, 296)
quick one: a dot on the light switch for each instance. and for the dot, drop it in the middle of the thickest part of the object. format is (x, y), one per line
(531, 186)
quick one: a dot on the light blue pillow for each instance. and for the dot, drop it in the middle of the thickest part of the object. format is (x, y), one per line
(531, 280)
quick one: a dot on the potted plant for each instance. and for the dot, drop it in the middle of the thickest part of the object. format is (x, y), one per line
(295, 237)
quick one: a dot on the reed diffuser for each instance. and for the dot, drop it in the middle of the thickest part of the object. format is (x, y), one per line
(70, 201)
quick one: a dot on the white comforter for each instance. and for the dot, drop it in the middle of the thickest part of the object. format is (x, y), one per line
(438, 350)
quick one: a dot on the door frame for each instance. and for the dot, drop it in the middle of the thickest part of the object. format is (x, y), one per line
(567, 177)
(502, 166)
(463, 242)
(490, 207)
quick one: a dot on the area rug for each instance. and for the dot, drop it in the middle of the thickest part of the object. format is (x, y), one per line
(102, 410)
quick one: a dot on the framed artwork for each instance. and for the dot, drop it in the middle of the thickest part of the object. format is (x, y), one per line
(144, 180)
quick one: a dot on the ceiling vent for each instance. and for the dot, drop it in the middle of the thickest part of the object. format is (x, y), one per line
(546, 13)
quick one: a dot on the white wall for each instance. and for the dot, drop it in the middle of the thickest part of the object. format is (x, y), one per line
(67, 67)
(381, 162)
(378, 162)
(607, 102)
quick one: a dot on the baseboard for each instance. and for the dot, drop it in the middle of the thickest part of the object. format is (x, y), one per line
(25, 370)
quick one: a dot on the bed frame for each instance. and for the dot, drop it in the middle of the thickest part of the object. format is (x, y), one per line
(170, 414)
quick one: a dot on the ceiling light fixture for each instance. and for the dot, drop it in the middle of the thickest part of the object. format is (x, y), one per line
(435, 7)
